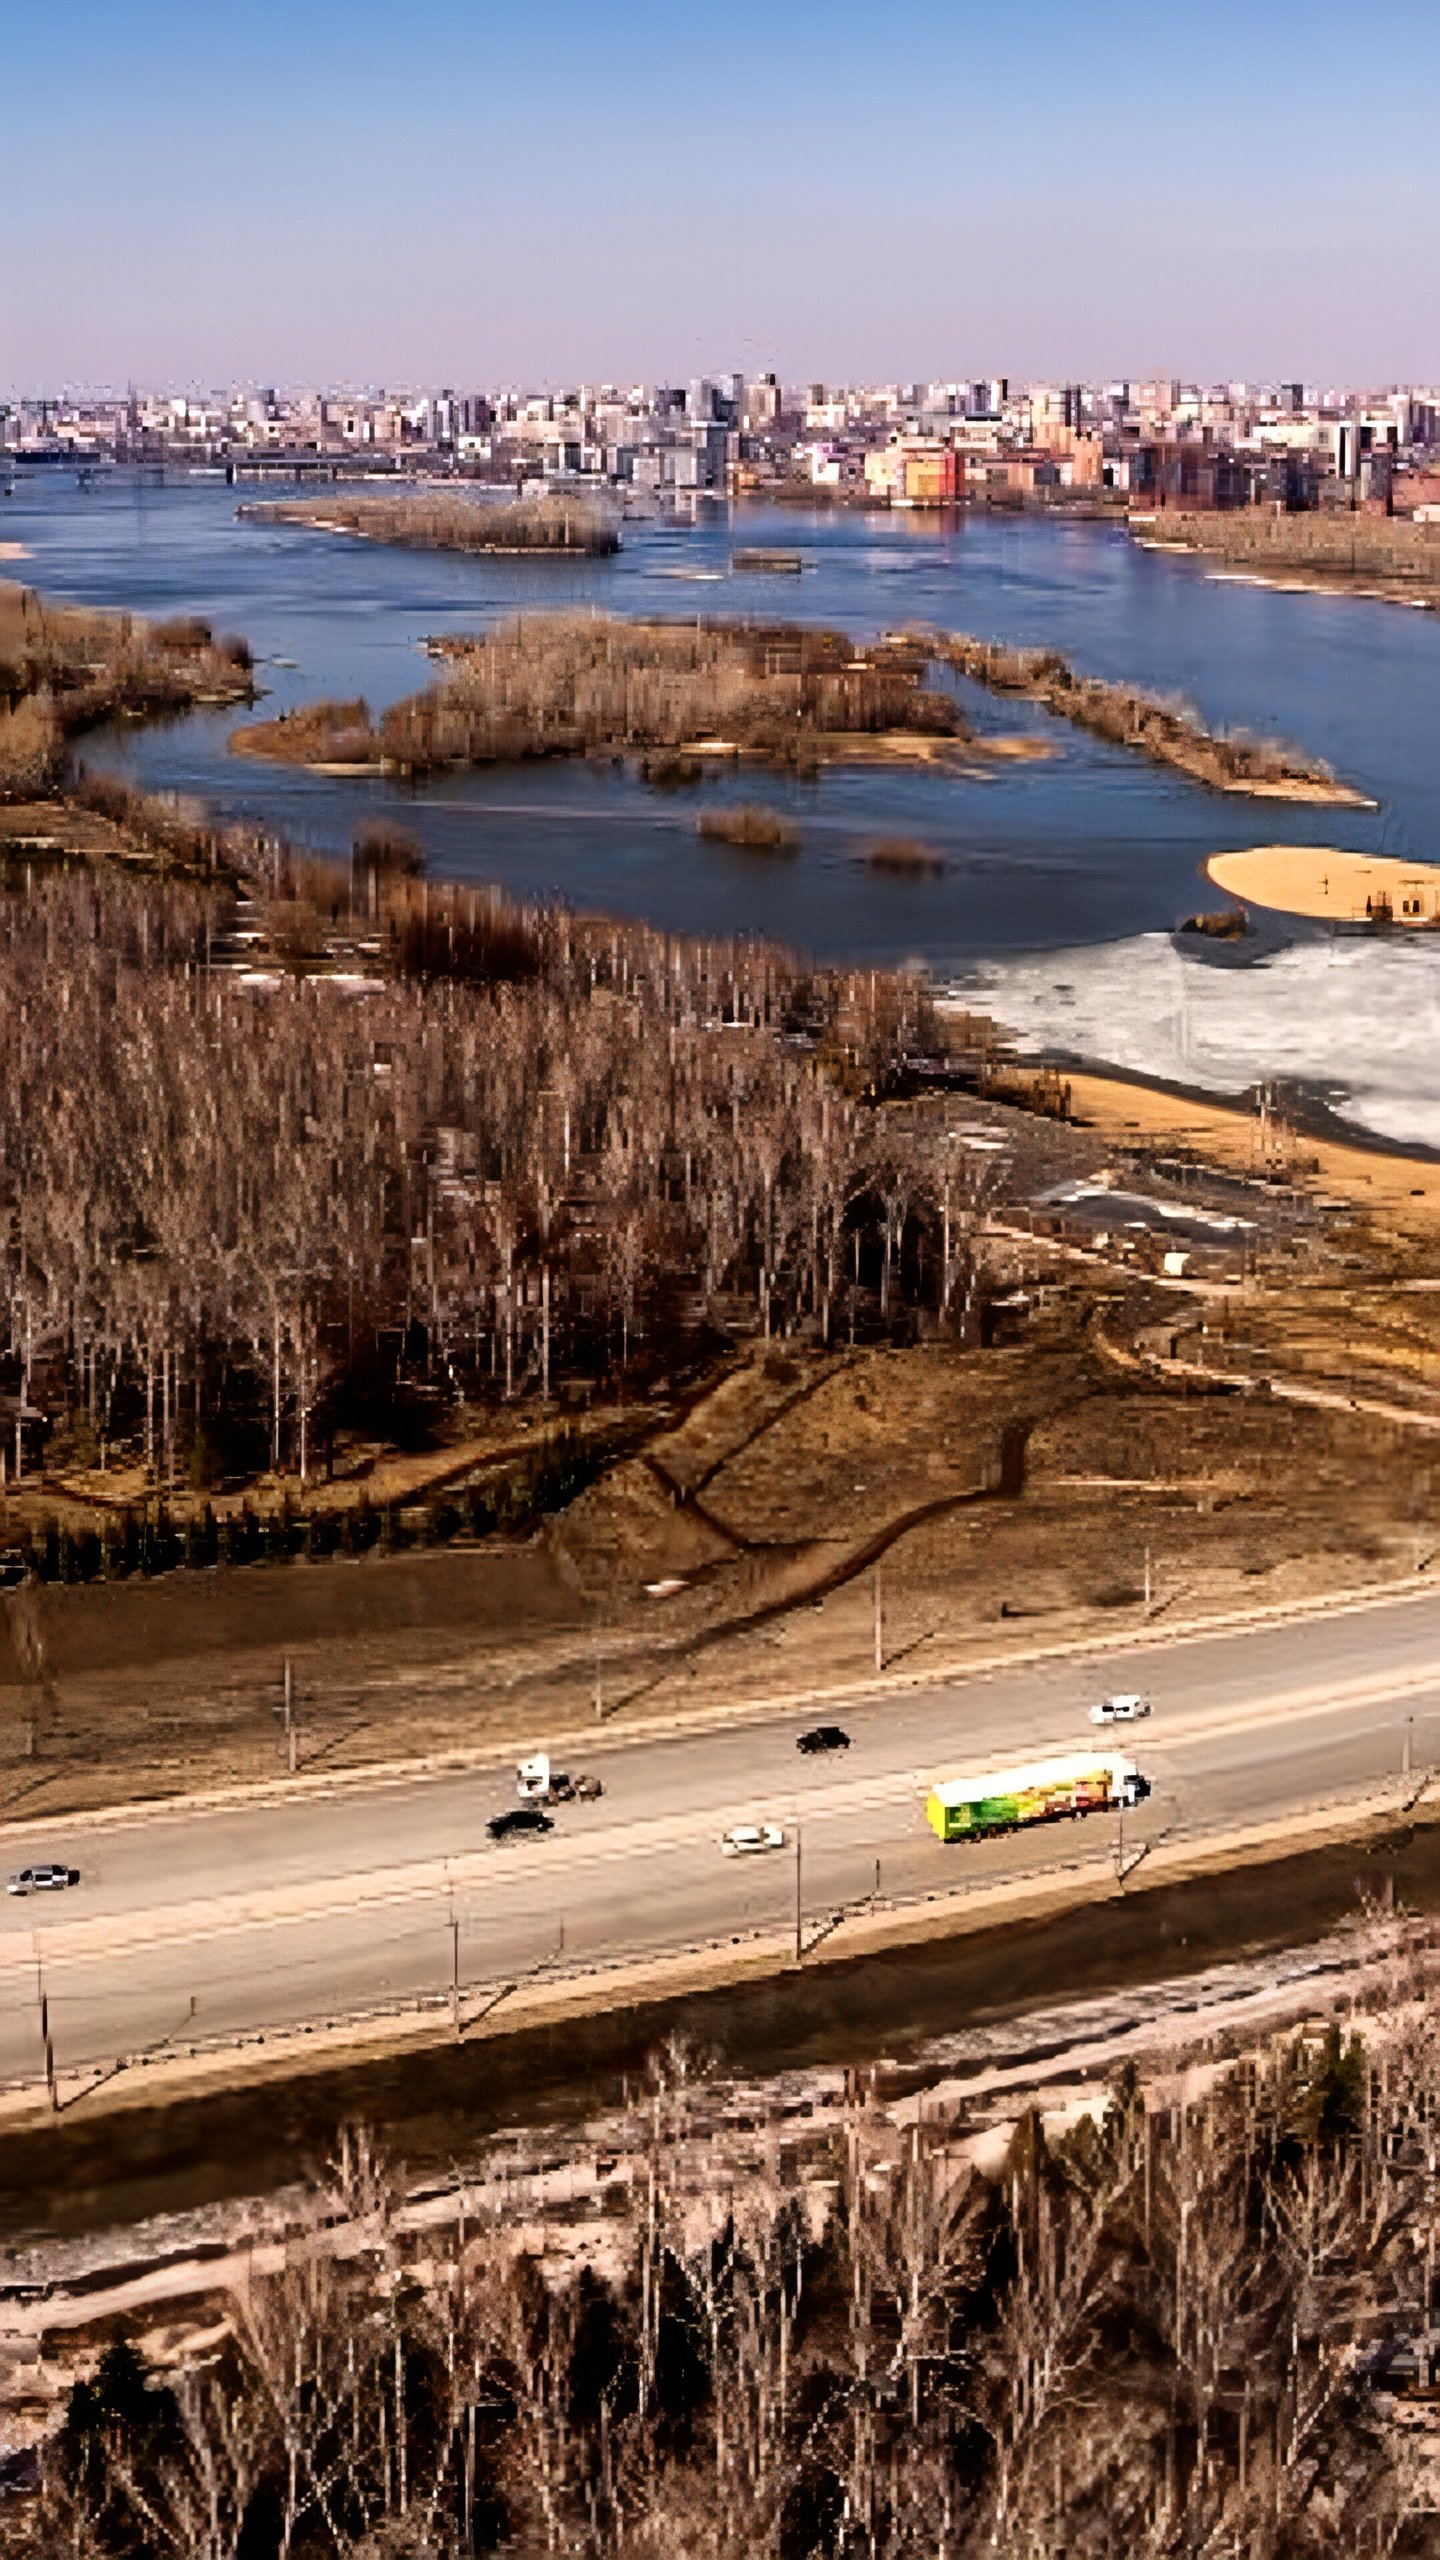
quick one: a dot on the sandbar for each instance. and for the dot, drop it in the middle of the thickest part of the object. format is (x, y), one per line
(1311, 795)
(1334, 887)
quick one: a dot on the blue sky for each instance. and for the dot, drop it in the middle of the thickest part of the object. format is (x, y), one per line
(470, 193)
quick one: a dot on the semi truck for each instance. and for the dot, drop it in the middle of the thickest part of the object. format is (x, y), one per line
(996, 1800)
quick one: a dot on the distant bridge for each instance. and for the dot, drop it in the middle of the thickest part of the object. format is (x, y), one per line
(287, 466)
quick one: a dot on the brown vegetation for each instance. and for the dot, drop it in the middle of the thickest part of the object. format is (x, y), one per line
(904, 858)
(750, 556)
(1168, 732)
(1168, 2330)
(1218, 924)
(173, 831)
(429, 522)
(571, 684)
(758, 1480)
(32, 745)
(65, 668)
(754, 829)
(765, 1494)
(792, 696)
(1330, 547)
(668, 769)
(328, 733)
(246, 1208)
(382, 851)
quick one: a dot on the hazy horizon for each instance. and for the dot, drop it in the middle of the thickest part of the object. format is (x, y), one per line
(321, 200)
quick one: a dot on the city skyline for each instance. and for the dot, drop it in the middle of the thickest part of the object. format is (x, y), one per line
(314, 200)
(796, 387)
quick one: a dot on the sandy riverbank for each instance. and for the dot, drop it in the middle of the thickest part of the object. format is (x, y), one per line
(1293, 582)
(1402, 1191)
(1316, 585)
(1308, 795)
(1335, 887)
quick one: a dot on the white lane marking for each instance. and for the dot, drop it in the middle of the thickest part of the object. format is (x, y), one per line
(653, 1835)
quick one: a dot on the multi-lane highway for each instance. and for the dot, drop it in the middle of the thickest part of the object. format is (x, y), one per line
(196, 1923)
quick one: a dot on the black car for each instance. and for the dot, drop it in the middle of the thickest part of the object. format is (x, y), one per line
(824, 1737)
(524, 1817)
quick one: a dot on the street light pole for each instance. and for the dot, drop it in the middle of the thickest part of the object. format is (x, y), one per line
(799, 1923)
(46, 2038)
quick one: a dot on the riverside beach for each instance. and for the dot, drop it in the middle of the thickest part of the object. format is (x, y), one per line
(1330, 885)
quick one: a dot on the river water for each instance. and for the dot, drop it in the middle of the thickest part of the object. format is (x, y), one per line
(1064, 878)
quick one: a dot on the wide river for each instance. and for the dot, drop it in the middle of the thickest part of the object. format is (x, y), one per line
(1064, 879)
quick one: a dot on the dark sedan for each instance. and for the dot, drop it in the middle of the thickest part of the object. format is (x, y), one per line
(824, 1737)
(523, 1818)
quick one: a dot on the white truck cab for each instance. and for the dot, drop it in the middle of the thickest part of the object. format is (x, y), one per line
(1125, 1708)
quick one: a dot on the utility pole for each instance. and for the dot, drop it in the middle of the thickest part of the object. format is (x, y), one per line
(290, 1714)
(1409, 1745)
(879, 1624)
(799, 1923)
(46, 2038)
(599, 1694)
(455, 1971)
(1147, 1582)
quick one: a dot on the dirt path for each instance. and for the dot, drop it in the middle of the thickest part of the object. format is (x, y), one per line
(1149, 1363)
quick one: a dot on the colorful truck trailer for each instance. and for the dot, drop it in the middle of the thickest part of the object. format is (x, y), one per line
(1034, 1791)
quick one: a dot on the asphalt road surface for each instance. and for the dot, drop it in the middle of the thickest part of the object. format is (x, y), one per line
(191, 1924)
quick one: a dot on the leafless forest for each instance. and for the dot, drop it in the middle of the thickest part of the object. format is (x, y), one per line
(502, 1153)
(1154, 2338)
(578, 684)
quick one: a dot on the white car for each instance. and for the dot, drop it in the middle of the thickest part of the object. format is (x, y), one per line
(751, 1839)
(1127, 1708)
